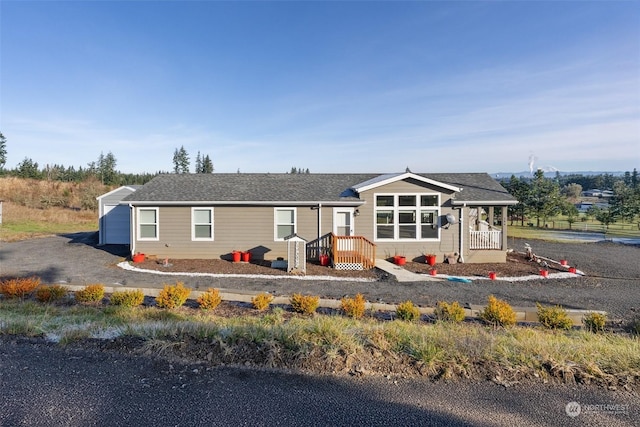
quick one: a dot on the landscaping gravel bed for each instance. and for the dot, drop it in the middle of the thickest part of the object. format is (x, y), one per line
(612, 281)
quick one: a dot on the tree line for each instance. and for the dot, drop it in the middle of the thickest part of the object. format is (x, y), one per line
(542, 198)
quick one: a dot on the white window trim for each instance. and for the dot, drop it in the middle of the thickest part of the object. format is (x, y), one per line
(157, 224)
(193, 225)
(275, 221)
(396, 208)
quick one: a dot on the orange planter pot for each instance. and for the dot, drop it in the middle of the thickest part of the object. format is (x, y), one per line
(324, 260)
(433, 272)
(236, 256)
(492, 275)
(430, 259)
(563, 262)
(400, 260)
(544, 273)
(246, 256)
(138, 258)
(572, 270)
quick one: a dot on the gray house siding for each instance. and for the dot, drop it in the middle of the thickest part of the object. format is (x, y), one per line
(243, 228)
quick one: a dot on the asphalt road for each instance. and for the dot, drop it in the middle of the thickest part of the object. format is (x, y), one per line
(44, 384)
(612, 284)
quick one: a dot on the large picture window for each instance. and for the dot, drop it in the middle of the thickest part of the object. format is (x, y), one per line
(148, 223)
(285, 222)
(407, 216)
(202, 224)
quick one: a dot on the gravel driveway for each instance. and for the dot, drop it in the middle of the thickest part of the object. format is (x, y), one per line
(612, 282)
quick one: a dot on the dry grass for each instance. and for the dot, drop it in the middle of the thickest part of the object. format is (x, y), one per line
(34, 208)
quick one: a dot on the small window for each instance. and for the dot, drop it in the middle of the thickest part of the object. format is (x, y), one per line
(148, 224)
(428, 200)
(285, 222)
(202, 223)
(384, 201)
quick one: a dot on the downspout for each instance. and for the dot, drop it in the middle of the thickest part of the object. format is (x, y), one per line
(132, 230)
(461, 259)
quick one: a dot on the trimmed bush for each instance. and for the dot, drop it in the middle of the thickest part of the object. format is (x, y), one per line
(594, 322)
(90, 294)
(19, 287)
(353, 307)
(209, 299)
(408, 312)
(498, 313)
(132, 298)
(449, 312)
(305, 304)
(173, 296)
(51, 293)
(261, 301)
(553, 317)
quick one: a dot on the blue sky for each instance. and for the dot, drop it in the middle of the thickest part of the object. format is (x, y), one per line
(330, 86)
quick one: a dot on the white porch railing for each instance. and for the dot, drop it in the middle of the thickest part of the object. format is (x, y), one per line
(485, 239)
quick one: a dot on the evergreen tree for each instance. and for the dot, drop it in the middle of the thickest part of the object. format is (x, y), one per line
(181, 160)
(3, 151)
(207, 165)
(545, 198)
(198, 163)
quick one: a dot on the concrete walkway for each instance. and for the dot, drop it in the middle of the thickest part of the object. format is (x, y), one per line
(401, 274)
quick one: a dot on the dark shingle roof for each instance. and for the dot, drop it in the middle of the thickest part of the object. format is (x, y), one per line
(248, 187)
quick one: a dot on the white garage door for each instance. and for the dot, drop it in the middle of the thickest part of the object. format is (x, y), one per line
(116, 224)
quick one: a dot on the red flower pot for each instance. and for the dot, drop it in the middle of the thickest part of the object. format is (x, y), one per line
(138, 258)
(572, 270)
(324, 260)
(544, 273)
(430, 259)
(246, 256)
(563, 262)
(433, 272)
(400, 260)
(235, 255)
(492, 275)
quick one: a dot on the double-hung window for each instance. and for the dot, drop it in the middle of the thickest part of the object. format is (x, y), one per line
(284, 222)
(148, 224)
(202, 224)
(407, 216)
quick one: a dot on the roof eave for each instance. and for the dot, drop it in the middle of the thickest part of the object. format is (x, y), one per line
(404, 176)
(241, 203)
(484, 202)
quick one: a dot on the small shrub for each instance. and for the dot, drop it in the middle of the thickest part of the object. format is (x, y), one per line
(19, 287)
(553, 317)
(634, 326)
(498, 313)
(91, 294)
(305, 304)
(408, 312)
(51, 293)
(449, 312)
(353, 307)
(173, 296)
(209, 299)
(261, 301)
(276, 317)
(594, 322)
(131, 298)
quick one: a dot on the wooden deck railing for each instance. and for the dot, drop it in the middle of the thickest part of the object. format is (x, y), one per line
(485, 239)
(343, 249)
(353, 250)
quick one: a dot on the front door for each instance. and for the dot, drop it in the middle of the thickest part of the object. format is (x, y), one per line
(343, 226)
